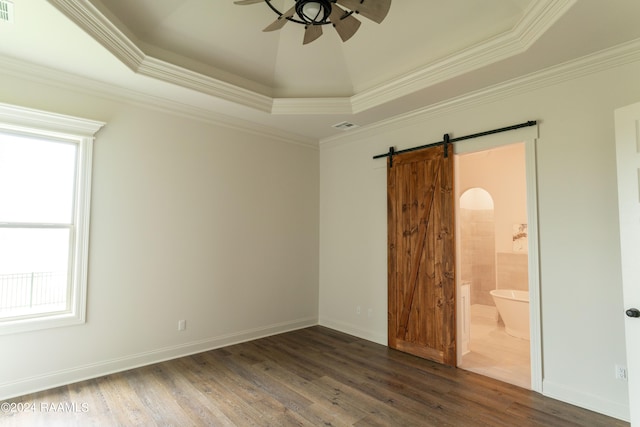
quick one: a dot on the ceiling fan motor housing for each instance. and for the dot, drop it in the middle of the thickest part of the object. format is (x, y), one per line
(313, 11)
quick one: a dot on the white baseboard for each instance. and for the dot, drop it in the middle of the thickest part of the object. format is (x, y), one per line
(350, 329)
(50, 380)
(585, 400)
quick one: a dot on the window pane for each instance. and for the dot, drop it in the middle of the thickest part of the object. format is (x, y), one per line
(36, 180)
(33, 270)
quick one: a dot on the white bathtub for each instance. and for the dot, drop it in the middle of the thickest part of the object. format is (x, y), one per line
(513, 307)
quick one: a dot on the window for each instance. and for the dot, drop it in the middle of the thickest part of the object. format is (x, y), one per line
(45, 182)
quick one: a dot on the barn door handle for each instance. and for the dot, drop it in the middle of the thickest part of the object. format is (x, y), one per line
(633, 312)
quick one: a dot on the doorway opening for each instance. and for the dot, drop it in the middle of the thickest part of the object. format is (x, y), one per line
(493, 263)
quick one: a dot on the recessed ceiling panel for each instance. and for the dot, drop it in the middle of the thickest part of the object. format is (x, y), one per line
(226, 41)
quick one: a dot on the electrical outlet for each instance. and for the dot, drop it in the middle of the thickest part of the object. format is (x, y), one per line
(182, 325)
(621, 372)
(370, 312)
(358, 310)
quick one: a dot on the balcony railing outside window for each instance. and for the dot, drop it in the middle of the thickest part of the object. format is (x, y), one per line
(32, 293)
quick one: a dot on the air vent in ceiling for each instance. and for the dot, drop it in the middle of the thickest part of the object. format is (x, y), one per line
(345, 126)
(6, 11)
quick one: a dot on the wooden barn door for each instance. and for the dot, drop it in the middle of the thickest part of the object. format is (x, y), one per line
(421, 254)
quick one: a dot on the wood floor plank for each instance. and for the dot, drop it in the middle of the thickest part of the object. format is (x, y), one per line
(155, 397)
(309, 377)
(222, 394)
(194, 403)
(346, 396)
(552, 412)
(393, 390)
(123, 403)
(94, 406)
(408, 395)
(325, 407)
(266, 386)
(277, 414)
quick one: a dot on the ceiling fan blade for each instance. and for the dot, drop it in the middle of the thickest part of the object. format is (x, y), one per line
(376, 10)
(346, 27)
(247, 1)
(312, 33)
(282, 19)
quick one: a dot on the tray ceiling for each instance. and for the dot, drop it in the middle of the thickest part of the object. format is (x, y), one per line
(215, 51)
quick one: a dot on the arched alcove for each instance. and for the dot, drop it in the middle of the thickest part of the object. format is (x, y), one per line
(476, 198)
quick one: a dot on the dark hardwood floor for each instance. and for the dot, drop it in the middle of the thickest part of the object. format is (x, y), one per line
(310, 377)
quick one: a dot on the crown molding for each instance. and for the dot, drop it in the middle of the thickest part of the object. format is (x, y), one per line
(66, 81)
(620, 55)
(536, 20)
(540, 15)
(94, 23)
(105, 32)
(164, 71)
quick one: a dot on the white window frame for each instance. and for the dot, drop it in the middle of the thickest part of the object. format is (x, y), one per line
(57, 127)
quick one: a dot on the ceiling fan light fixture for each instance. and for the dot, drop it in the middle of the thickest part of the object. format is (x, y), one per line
(313, 12)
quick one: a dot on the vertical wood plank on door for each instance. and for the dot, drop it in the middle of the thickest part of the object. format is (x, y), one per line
(392, 251)
(449, 250)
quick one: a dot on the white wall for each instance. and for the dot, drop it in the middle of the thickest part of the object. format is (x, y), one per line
(190, 220)
(581, 294)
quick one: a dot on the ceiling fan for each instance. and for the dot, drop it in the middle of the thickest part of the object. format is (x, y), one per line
(313, 14)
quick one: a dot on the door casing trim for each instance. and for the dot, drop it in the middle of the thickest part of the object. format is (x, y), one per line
(530, 137)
